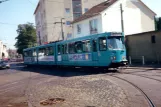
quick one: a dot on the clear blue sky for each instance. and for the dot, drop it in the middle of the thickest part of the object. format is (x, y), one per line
(15, 12)
(21, 11)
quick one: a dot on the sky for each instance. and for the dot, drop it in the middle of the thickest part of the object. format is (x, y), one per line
(14, 12)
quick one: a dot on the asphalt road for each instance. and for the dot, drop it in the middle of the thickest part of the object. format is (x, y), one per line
(66, 87)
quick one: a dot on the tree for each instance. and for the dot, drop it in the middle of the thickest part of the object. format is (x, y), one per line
(26, 37)
(3, 1)
(158, 23)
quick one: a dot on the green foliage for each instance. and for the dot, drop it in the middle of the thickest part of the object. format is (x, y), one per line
(158, 23)
(26, 37)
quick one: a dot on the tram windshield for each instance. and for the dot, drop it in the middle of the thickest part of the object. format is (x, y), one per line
(115, 43)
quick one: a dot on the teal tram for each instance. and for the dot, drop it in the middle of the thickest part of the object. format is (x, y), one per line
(98, 50)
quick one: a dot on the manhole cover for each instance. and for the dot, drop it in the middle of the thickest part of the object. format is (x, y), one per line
(52, 101)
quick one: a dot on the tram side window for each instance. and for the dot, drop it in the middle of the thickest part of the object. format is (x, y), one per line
(26, 54)
(46, 51)
(71, 48)
(59, 49)
(86, 46)
(34, 53)
(102, 44)
(50, 51)
(30, 53)
(94, 45)
(65, 49)
(79, 47)
(41, 52)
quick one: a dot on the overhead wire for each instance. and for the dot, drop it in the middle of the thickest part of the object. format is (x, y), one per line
(47, 25)
(31, 3)
(8, 23)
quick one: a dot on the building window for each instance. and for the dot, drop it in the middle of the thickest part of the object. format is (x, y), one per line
(77, 15)
(86, 9)
(44, 14)
(93, 26)
(153, 39)
(77, 8)
(69, 35)
(67, 10)
(46, 38)
(67, 22)
(78, 28)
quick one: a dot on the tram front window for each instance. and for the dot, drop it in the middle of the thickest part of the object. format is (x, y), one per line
(115, 43)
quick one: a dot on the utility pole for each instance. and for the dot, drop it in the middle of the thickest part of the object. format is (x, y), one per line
(39, 38)
(61, 22)
(122, 19)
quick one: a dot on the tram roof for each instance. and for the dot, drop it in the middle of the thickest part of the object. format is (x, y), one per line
(72, 40)
(88, 37)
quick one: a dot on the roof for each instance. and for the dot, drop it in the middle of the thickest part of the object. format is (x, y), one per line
(94, 11)
(148, 32)
(37, 7)
(147, 7)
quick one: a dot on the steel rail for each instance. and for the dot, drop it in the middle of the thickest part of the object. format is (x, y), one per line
(151, 104)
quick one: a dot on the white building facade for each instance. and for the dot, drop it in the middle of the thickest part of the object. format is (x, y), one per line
(3, 51)
(106, 17)
(48, 12)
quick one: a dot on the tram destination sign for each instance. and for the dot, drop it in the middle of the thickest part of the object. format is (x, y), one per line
(116, 34)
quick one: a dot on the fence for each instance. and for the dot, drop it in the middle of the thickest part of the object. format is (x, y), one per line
(143, 60)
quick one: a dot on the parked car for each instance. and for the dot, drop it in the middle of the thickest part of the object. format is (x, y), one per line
(4, 64)
(13, 60)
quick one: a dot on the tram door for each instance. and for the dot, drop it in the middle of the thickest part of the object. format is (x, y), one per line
(64, 52)
(103, 54)
(94, 50)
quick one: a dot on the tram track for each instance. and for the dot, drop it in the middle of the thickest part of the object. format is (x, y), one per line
(150, 102)
(143, 76)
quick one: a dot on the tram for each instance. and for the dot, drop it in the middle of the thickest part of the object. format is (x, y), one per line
(98, 50)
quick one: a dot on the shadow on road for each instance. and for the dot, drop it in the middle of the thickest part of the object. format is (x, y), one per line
(62, 71)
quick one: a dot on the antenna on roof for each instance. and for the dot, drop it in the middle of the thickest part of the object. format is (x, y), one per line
(107, 2)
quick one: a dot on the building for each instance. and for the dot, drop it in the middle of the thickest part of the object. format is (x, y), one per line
(48, 12)
(13, 53)
(3, 51)
(106, 17)
(145, 45)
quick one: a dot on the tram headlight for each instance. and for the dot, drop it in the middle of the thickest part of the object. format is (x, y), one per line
(123, 57)
(113, 58)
